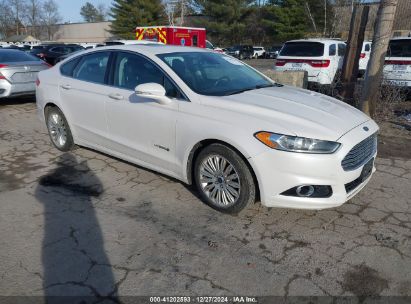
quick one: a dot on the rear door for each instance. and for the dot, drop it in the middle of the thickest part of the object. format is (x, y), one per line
(83, 92)
(397, 68)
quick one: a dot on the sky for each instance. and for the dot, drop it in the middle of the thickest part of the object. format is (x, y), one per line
(70, 9)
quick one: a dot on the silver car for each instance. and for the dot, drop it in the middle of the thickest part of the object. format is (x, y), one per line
(18, 72)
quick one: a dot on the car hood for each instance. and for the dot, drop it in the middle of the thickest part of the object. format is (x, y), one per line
(301, 112)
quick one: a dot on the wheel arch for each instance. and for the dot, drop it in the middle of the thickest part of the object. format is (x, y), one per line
(198, 147)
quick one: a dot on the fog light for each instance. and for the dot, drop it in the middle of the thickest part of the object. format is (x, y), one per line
(309, 191)
(304, 191)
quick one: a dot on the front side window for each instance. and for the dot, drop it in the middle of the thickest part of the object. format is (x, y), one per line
(92, 67)
(132, 70)
(214, 74)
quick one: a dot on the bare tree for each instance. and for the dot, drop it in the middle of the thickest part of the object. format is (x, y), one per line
(34, 16)
(50, 17)
(6, 20)
(382, 34)
(18, 11)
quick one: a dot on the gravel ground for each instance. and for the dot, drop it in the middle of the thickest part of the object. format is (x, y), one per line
(84, 223)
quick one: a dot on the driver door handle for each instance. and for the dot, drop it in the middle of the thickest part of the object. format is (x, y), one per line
(116, 96)
(66, 86)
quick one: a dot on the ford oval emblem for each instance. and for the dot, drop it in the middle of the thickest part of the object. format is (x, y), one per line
(366, 129)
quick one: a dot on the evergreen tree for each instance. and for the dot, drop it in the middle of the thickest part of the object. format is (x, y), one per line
(90, 13)
(127, 14)
(224, 19)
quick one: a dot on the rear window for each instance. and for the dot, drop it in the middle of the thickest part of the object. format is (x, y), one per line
(303, 49)
(399, 48)
(16, 56)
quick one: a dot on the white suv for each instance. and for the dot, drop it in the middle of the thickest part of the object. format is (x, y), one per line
(259, 51)
(321, 58)
(364, 57)
(397, 68)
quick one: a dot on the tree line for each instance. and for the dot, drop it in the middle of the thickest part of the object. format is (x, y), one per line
(233, 21)
(32, 17)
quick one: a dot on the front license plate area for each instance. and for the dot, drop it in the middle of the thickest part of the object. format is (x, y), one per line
(367, 170)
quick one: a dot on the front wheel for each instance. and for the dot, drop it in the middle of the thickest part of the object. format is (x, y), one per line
(223, 179)
(59, 130)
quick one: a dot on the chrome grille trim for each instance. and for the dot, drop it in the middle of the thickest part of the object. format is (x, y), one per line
(360, 153)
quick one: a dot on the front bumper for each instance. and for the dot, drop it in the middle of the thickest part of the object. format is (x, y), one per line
(8, 89)
(278, 171)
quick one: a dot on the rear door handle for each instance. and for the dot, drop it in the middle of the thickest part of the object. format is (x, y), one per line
(116, 96)
(66, 86)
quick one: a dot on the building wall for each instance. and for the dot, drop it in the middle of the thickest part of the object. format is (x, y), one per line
(83, 32)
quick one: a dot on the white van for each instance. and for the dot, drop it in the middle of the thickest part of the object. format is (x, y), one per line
(321, 58)
(397, 68)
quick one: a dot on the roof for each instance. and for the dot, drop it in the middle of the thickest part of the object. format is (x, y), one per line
(330, 40)
(153, 49)
(401, 38)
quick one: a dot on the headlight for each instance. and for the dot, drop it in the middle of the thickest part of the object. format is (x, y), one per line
(237, 52)
(296, 144)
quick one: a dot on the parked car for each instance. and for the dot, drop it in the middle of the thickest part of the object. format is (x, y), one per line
(18, 72)
(210, 46)
(209, 119)
(364, 57)
(272, 52)
(241, 51)
(259, 52)
(50, 52)
(321, 58)
(63, 57)
(397, 68)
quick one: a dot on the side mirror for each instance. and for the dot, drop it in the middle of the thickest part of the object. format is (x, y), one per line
(154, 91)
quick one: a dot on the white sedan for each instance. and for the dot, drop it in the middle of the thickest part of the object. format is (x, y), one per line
(209, 119)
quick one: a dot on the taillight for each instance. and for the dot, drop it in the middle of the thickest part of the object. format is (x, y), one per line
(280, 62)
(398, 62)
(45, 63)
(37, 81)
(41, 55)
(319, 63)
(2, 66)
(362, 55)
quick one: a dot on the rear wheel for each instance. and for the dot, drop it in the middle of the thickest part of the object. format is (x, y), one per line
(223, 179)
(59, 130)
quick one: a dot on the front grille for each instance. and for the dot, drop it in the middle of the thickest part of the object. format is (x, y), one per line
(352, 185)
(360, 154)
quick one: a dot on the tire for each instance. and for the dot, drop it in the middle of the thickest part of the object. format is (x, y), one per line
(59, 130)
(223, 179)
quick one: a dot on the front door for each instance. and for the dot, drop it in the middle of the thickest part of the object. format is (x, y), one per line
(139, 127)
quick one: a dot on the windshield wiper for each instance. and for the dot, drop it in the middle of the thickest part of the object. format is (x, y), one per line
(259, 86)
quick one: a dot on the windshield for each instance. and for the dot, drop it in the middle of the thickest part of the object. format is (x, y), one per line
(303, 49)
(16, 56)
(214, 74)
(399, 48)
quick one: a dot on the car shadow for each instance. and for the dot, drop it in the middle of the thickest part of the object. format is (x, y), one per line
(76, 268)
(9, 101)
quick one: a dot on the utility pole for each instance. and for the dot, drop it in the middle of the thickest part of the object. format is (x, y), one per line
(382, 34)
(349, 72)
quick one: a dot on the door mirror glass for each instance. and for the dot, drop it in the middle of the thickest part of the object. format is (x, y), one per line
(154, 91)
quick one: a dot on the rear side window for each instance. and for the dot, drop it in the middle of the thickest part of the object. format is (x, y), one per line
(67, 68)
(332, 50)
(341, 49)
(367, 47)
(399, 48)
(303, 49)
(92, 67)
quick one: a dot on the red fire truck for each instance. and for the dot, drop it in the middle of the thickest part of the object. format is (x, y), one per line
(175, 35)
